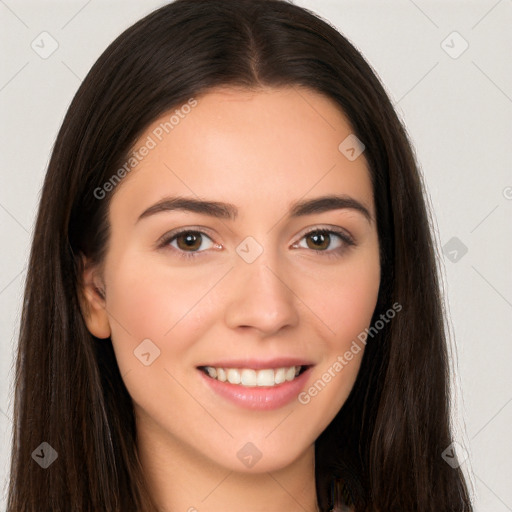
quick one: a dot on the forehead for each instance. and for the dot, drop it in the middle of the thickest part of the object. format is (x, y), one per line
(247, 147)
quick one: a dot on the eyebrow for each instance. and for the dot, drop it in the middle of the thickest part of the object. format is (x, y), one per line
(229, 211)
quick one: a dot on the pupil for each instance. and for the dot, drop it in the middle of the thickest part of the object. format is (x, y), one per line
(320, 239)
(190, 240)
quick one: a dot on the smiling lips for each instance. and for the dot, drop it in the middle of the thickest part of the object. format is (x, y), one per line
(267, 377)
(256, 384)
(257, 389)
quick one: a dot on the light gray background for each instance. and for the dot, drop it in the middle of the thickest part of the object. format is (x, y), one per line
(457, 112)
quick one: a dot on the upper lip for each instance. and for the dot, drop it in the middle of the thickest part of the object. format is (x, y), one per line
(259, 364)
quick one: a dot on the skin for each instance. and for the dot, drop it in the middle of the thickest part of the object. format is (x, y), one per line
(261, 151)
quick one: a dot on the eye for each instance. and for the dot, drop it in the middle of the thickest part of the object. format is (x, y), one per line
(188, 242)
(325, 241)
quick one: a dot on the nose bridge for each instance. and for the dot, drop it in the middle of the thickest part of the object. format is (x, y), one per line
(260, 296)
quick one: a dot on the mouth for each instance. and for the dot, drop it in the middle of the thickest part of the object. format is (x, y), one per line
(251, 378)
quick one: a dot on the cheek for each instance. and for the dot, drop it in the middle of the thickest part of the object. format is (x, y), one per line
(347, 309)
(150, 301)
(351, 306)
(346, 298)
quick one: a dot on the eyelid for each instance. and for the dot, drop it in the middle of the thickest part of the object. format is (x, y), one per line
(167, 238)
(343, 233)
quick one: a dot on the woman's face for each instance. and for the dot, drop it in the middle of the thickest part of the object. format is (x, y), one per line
(250, 288)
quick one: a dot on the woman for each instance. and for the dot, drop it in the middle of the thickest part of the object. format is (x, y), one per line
(232, 298)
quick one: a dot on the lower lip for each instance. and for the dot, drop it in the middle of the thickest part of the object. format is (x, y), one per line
(259, 398)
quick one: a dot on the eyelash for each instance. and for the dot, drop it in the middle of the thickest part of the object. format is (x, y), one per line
(346, 240)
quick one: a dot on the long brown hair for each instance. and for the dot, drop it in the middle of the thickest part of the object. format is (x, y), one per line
(382, 452)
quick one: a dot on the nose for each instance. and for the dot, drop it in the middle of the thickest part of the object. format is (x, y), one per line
(260, 297)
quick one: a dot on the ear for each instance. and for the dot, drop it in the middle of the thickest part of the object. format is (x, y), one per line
(93, 301)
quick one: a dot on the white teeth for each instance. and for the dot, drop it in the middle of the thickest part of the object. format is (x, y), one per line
(280, 375)
(233, 376)
(265, 378)
(248, 378)
(290, 373)
(251, 378)
(212, 372)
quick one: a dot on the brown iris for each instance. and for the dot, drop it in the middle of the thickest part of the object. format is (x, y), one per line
(191, 240)
(319, 238)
